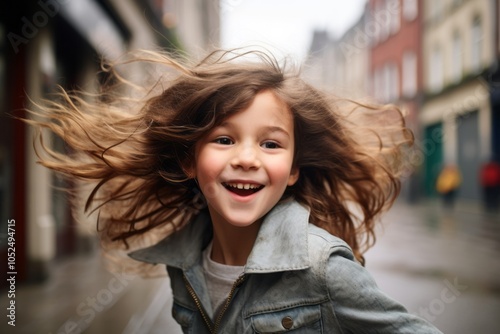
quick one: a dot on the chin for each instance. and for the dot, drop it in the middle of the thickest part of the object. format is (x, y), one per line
(238, 222)
(239, 218)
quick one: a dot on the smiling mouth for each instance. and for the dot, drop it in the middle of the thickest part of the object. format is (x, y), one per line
(243, 189)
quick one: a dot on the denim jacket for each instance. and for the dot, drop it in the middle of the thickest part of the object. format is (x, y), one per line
(298, 278)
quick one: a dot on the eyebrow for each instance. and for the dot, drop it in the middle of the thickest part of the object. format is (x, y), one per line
(270, 128)
(277, 129)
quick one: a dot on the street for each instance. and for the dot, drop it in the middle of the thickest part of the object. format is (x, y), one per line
(442, 265)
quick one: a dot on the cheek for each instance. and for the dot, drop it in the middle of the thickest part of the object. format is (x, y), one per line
(208, 166)
(280, 171)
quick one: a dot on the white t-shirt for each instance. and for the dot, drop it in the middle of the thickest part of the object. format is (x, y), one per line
(220, 279)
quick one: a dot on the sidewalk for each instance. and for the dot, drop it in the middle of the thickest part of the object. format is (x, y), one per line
(443, 265)
(83, 297)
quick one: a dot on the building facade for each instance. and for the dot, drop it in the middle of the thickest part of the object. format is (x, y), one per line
(456, 116)
(439, 62)
(353, 60)
(494, 86)
(43, 44)
(319, 69)
(340, 65)
(396, 68)
(196, 24)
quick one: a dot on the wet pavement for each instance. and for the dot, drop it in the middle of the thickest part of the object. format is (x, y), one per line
(443, 265)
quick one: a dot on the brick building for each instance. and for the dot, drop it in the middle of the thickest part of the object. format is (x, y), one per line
(394, 27)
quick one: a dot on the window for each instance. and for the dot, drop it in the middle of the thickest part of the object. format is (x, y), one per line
(378, 83)
(393, 82)
(436, 10)
(409, 80)
(386, 83)
(435, 70)
(382, 19)
(386, 19)
(476, 44)
(394, 9)
(410, 9)
(456, 58)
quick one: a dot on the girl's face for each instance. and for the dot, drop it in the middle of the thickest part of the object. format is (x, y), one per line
(244, 165)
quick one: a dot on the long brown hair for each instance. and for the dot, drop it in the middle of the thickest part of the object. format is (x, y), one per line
(134, 148)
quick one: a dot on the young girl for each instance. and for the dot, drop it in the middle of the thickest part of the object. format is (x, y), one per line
(264, 191)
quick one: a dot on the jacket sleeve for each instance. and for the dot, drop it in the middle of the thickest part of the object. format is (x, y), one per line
(360, 306)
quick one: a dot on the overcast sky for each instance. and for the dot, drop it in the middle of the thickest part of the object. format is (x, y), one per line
(284, 26)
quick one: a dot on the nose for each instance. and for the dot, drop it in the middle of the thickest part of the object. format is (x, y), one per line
(246, 157)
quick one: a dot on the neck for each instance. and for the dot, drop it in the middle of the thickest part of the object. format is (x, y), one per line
(232, 245)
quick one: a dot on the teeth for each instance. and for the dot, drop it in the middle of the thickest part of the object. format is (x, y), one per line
(243, 185)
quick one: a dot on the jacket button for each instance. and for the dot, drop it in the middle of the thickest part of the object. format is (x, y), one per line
(287, 322)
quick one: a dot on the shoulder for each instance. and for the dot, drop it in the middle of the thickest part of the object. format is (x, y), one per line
(334, 263)
(332, 260)
(323, 245)
(358, 305)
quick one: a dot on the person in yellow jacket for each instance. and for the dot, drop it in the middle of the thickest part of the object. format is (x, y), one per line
(447, 184)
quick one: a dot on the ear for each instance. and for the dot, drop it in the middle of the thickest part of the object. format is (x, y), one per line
(294, 176)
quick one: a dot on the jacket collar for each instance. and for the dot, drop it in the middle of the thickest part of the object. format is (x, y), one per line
(281, 243)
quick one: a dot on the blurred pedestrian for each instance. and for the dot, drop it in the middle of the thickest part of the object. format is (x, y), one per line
(448, 182)
(252, 176)
(490, 182)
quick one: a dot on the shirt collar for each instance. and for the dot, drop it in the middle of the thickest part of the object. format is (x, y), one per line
(281, 243)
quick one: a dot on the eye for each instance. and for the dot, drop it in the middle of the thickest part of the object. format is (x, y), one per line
(270, 144)
(224, 141)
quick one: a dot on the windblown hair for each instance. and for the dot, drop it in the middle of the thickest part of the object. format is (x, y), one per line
(135, 149)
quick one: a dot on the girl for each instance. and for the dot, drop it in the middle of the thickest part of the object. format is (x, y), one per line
(264, 191)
